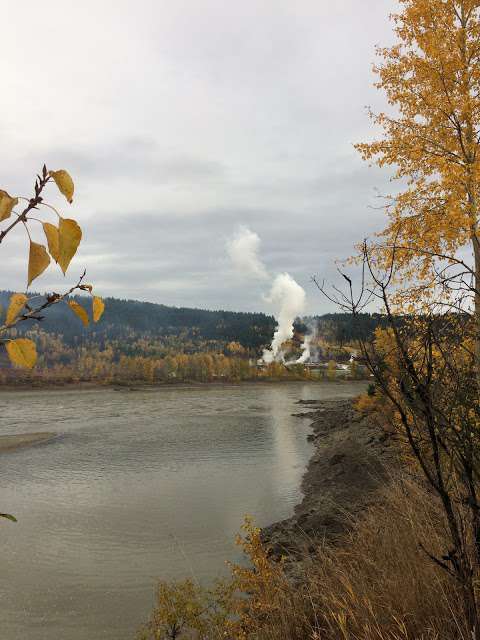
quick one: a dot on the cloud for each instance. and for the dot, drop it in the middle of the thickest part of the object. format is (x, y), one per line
(186, 119)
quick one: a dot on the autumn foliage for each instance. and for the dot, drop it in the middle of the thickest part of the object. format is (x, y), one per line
(62, 241)
(377, 584)
(432, 78)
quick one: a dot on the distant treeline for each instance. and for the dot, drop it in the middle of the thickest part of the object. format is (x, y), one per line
(130, 319)
(343, 328)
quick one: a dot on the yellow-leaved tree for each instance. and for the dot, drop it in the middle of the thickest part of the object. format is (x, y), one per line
(431, 77)
(427, 365)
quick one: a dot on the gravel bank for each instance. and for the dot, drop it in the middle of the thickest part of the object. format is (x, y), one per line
(351, 461)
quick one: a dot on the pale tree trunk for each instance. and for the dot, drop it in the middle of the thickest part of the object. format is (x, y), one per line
(476, 253)
(469, 147)
(470, 598)
(473, 215)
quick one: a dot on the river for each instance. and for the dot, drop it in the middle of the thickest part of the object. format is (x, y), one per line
(139, 485)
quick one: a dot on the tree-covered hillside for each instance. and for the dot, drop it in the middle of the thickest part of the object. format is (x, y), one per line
(125, 318)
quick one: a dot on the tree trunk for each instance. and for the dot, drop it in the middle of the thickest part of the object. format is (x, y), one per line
(476, 253)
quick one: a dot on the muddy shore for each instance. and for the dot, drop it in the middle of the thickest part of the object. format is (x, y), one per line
(147, 386)
(352, 459)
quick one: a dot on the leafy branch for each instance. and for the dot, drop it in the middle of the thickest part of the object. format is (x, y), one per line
(62, 242)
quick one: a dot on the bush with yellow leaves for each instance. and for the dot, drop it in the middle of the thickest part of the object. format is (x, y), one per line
(377, 584)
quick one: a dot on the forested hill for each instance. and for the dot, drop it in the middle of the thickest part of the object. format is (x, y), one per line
(126, 321)
(124, 318)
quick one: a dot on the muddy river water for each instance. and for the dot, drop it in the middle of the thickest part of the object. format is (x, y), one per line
(139, 485)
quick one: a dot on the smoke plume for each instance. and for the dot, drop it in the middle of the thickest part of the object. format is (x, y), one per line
(243, 250)
(289, 296)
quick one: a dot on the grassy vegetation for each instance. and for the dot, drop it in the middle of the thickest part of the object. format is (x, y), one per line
(377, 583)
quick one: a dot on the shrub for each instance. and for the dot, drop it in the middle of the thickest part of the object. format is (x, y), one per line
(378, 584)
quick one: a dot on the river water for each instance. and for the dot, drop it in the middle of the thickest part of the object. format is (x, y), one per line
(138, 486)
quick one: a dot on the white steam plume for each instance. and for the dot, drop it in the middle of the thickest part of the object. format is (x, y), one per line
(307, 345)
(243, 250)
(286, 294)
(306, 349)
(291, 297)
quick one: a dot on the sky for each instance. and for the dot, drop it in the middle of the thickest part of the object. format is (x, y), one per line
(182, 121)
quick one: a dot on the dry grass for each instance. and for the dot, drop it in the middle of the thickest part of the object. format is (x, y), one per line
(379, 584)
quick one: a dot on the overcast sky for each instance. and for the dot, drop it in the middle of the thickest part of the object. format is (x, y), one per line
(181, 120)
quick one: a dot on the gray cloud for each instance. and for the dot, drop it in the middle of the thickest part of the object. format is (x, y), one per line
(133, 159)
(181, 121)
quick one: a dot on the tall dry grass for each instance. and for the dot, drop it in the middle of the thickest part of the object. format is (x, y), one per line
(377, 584)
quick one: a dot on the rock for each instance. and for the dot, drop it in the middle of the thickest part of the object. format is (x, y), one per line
(308, 414)
(337, 458)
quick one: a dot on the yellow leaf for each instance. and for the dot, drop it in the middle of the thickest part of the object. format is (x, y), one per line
(64, 183)
(17, 302)
(98, 308)
(6, 205)
(38, 261)
(22, 353)
(79, 311)
(70, 235)
(51, 233)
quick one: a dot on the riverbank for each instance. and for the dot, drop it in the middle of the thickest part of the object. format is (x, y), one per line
(352, 460)
(139, 386)
(18, 441)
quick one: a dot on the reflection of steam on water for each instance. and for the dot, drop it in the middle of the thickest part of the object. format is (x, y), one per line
(288, 447)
